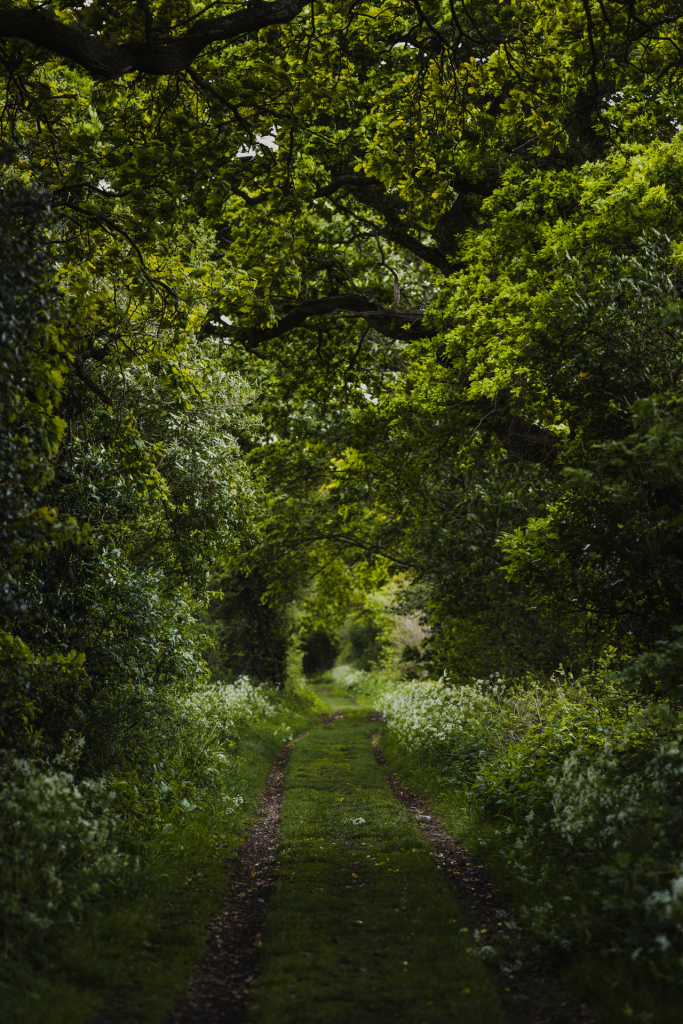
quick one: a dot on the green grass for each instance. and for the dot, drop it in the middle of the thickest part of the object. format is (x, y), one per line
(363, 927)
(149, 942)
(323, 689)
(619, 988)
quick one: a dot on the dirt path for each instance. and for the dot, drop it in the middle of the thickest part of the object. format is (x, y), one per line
(219, 990)
(371, 907)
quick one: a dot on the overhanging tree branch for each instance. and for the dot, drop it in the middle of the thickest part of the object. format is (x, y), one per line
(83, 375)
(392, 323)
(340, 181)
(154, 56)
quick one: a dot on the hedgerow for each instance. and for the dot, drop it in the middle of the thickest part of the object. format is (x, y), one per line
(70, 844)
(583, 784)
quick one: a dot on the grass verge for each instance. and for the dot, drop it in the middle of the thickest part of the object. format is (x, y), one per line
(135, 958)
(363, 927)
(620, 989)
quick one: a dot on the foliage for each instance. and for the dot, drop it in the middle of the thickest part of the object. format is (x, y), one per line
(32, 365)
(69, 842)
(582, 783)
(139, 501)
(58, 849)
(381, 296)
(443, 241)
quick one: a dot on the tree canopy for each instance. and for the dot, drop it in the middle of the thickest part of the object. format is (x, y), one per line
(293, 290)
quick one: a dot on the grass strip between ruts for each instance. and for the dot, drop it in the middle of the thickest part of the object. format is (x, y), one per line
(363, 927)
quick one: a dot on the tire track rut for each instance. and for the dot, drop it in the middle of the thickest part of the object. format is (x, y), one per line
(528, 998)
(220, 988)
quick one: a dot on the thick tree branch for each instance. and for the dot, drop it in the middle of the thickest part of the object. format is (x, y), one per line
(370, 192)
(392, 323)
(350, 541)
(394, 212)
(85, 378)
(203, 84)
(341, 181)
(155, 56)
(392, 209)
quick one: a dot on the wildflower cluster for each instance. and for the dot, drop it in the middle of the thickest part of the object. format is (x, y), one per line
(429, 714)
(67, 841)
(57, 847)
(222, 708)
(583, 785)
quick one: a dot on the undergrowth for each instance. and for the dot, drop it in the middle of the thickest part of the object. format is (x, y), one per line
(95, 874)
(360, 684)
(571, 794)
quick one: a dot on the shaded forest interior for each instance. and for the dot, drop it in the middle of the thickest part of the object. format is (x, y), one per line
(341, 348)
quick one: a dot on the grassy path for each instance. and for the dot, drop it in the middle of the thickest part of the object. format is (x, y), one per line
(363, 927)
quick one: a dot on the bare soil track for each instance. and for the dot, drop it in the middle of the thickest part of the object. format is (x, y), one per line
(528, 998)
(219, 990)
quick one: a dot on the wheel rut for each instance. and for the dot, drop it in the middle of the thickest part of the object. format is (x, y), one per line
(528, 997)
(220, 988)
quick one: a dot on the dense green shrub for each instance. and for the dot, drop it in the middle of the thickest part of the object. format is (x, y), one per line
(69, 844)
(583, 783)
(32, 368)
(58, 848)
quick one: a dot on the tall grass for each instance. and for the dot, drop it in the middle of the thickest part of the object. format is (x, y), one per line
(571, 791)
(88, 866)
